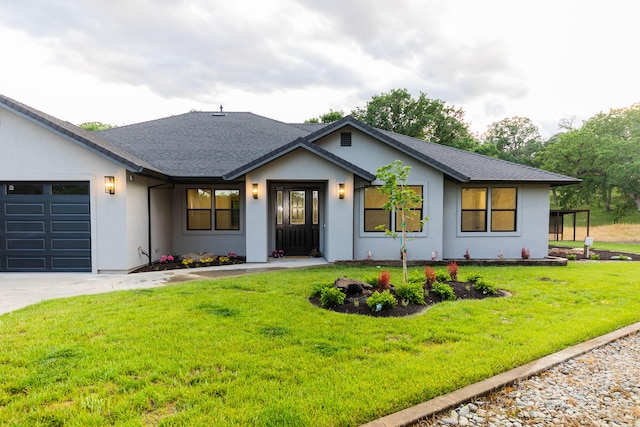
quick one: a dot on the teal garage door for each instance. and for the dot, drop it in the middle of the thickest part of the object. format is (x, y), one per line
(45, 226)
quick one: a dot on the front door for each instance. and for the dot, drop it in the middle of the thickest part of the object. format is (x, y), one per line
(297, 218)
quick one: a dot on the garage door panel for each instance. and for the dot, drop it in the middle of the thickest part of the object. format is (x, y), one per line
(15, 263)
(25, 227)
(25, 244)
(70, 244)
(71, 263)
(69, 209)
(70, 226)
(45, 230)
(14, 209)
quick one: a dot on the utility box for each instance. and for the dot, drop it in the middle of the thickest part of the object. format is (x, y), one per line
(588, 242)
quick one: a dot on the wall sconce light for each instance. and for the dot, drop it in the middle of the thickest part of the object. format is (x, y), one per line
(341, 191)
(254, 191)
(109, 185)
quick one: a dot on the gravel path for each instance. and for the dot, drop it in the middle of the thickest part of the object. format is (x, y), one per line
(600, 388)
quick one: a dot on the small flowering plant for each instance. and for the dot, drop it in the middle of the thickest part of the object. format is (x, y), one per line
(232, 255)
(277, 253)
(187, 262)
(166, 259)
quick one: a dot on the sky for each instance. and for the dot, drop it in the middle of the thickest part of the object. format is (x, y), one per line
(128, 61)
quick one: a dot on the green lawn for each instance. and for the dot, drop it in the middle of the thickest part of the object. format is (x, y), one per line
(633, 248)
(252, 351)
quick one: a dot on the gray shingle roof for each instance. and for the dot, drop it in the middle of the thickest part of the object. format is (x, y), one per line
(85, 138)
(203, 144)
(212, 145)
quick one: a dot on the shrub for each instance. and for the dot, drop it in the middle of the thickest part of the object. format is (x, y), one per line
(383, 280)
(330, 297)
(416, 278)
(411, 292)
(385, 299)
(316, 288)
(572, 257)
(441, 276)
(372, 280)
(474, 277)
(452, 269)
(594, 256)
(485, 287)
(430, 276)
(444, 291)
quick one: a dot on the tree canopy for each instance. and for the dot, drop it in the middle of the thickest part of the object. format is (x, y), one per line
(604, 153)
(422, 118)
(95, 126)
(330, 117)
(516, 139)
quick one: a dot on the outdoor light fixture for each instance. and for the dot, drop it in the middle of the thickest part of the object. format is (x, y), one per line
(109, 185)
(341, 191)
(254, 191)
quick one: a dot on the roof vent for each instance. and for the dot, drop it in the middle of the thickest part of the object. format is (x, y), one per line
(220, 114)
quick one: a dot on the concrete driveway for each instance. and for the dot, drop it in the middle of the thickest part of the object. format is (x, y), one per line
(18, 290)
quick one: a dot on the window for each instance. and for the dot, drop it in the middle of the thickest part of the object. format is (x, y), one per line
(503, 209)
(345, 139)
(475, 202)
(68, 189)
(375, 216)
(474, 209)
(25, 189)
(227, 209)
(413, 223)
(198, 209)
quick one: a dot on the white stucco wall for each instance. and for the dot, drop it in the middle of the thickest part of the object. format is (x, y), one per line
(33, 153)
(531, 229)
(302, 165)
(370, 154)
(218, 242)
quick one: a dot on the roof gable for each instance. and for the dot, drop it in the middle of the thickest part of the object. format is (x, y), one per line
(80, 136)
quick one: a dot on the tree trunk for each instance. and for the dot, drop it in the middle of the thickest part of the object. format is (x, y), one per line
(636, 199)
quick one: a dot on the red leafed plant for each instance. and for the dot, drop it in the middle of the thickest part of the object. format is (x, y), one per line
(383, 280)
(525, 253)
(430, 276)
(452, 269)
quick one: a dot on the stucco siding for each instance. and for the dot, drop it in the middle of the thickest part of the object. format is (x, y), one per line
(531, 230)
(37, 154)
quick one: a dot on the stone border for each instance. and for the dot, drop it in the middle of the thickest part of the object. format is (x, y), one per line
(545, 262)
(410, 416)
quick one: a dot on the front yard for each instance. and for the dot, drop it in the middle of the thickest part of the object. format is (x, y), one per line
(252, 350)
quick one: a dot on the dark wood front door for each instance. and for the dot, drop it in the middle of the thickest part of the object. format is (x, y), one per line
(297, 218)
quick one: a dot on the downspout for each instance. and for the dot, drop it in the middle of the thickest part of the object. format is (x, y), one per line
(149, 188)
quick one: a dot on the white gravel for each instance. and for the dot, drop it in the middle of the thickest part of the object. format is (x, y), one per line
(600, 388)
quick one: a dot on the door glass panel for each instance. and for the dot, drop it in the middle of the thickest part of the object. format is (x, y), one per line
(296, 207)
(315, 207)
(279, 207)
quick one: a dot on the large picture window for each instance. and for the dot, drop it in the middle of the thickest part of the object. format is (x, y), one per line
(227, 209)
(198, 209)
(375, 216)
(476, 215)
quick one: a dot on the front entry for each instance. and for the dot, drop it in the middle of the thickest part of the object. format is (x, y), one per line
(297, 218)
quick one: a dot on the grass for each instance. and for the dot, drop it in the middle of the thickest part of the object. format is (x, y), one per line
(252, 351)
(633, 248)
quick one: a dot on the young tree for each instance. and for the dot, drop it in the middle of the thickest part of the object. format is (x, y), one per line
(402, 200)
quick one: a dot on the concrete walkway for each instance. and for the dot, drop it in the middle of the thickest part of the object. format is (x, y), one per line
(18, 290)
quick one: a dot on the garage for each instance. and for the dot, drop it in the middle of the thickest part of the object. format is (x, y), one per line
(45, 226)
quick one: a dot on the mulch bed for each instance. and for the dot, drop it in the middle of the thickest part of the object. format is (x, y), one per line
(463, 290)
(604, 255)
(177, 265)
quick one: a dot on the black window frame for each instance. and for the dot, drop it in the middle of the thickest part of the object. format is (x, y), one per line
(233, 210)
(189, 210)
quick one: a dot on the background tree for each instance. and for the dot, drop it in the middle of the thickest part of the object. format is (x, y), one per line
(95, 126)
(422, 118)
(331, 116)
(401, 199)
(604, 153)
(516, 139)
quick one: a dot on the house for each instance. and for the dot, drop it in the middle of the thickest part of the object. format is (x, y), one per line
(72, 200)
